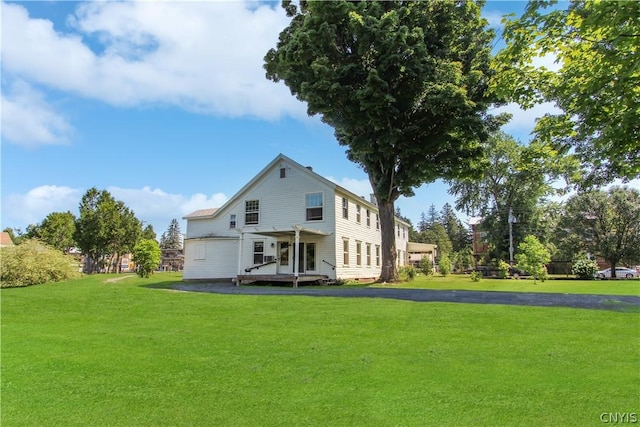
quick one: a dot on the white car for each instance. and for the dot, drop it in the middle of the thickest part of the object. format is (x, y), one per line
(621, 273)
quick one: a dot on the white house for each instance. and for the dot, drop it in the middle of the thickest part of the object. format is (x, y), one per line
(288, 224)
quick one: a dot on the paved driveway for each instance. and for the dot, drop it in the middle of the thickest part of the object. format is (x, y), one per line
(601, 302)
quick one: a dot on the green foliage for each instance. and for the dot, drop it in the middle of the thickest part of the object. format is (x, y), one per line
(33, 263)
(463, 259)
(584, 268)
(533, 257)
(404, 85)
(597, 86)
(56, 230)
(444, 265)
(148, 233)
(476, 276)
(146, 256)
(106, 228)
(426, 265)
(172, 238)
(437, 235)
(516, 180)
(407, 273)
(606, 224)
(503, 269)
(16, 235)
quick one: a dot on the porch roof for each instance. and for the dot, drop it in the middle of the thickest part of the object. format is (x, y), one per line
(286, 231)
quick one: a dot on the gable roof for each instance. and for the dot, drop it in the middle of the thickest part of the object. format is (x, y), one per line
(212, 213)
(5, 239)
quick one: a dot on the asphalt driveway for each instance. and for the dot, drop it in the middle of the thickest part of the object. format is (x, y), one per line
(599, 302)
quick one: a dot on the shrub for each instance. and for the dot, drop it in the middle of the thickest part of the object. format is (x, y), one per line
(584, 268)
(445, 265)
(146, 256)
(503, 269)
(407, 273)
(426, 265)
(476, 276)
(33, 263)
(532, 257)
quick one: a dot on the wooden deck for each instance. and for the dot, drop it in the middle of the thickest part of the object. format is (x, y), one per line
(243, 279)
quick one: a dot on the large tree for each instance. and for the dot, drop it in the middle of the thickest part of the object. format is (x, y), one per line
(403, 83)
(597, 87)
(56, 230)
(607, 224)
(518, 178)
(105, 229)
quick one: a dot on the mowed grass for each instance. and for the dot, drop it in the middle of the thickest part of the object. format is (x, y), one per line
(123, 354)
(569, 286)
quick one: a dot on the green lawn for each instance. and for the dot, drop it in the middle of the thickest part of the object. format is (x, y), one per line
(90, 353)
(463, 282)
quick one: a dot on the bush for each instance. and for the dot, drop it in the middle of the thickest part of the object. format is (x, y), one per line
(476, 276)
(445, 265)
(407, 273)
(426, 265)
(503, 269)
(33, 263)
(584, 268)
(146, 256)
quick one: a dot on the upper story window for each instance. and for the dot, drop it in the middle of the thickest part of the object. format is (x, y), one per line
(358, 214)
(232, 221)
(283, 172)
(314, 206)
(368, 218)
(377, 222)
(252, 212)
(345, 208)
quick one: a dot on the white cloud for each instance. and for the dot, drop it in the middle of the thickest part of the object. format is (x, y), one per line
(201, 56)
(20, 210)
(28, 120)
(523, 121)
(154, 206)
(360, 187)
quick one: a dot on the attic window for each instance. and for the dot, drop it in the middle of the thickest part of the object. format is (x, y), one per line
(283, 172)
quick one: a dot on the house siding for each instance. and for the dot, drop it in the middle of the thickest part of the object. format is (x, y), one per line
(282, 208)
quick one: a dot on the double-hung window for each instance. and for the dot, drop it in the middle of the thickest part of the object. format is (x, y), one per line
(232, 221)
(252, 212)
(314, 206)
(345, 208)
(258, 251)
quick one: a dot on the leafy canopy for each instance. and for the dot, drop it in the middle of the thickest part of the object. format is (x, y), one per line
(597, 46)
(606, 224)
(532, 257)
(404, 84)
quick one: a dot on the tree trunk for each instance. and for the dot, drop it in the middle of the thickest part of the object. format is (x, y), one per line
(389, 271)
(612, 264)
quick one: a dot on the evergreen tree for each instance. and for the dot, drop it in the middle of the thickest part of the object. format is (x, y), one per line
(172, 238)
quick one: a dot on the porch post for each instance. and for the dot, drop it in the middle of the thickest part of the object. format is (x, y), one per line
(240, 243)
(296, 256)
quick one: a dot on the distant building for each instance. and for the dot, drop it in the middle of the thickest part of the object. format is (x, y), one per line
(5, 239)
(418, 251)
(480, 241)
(172, 260)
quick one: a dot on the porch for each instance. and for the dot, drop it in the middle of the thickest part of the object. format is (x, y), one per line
(243, 279)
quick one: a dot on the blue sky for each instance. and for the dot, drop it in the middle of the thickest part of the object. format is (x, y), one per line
(165, 105)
